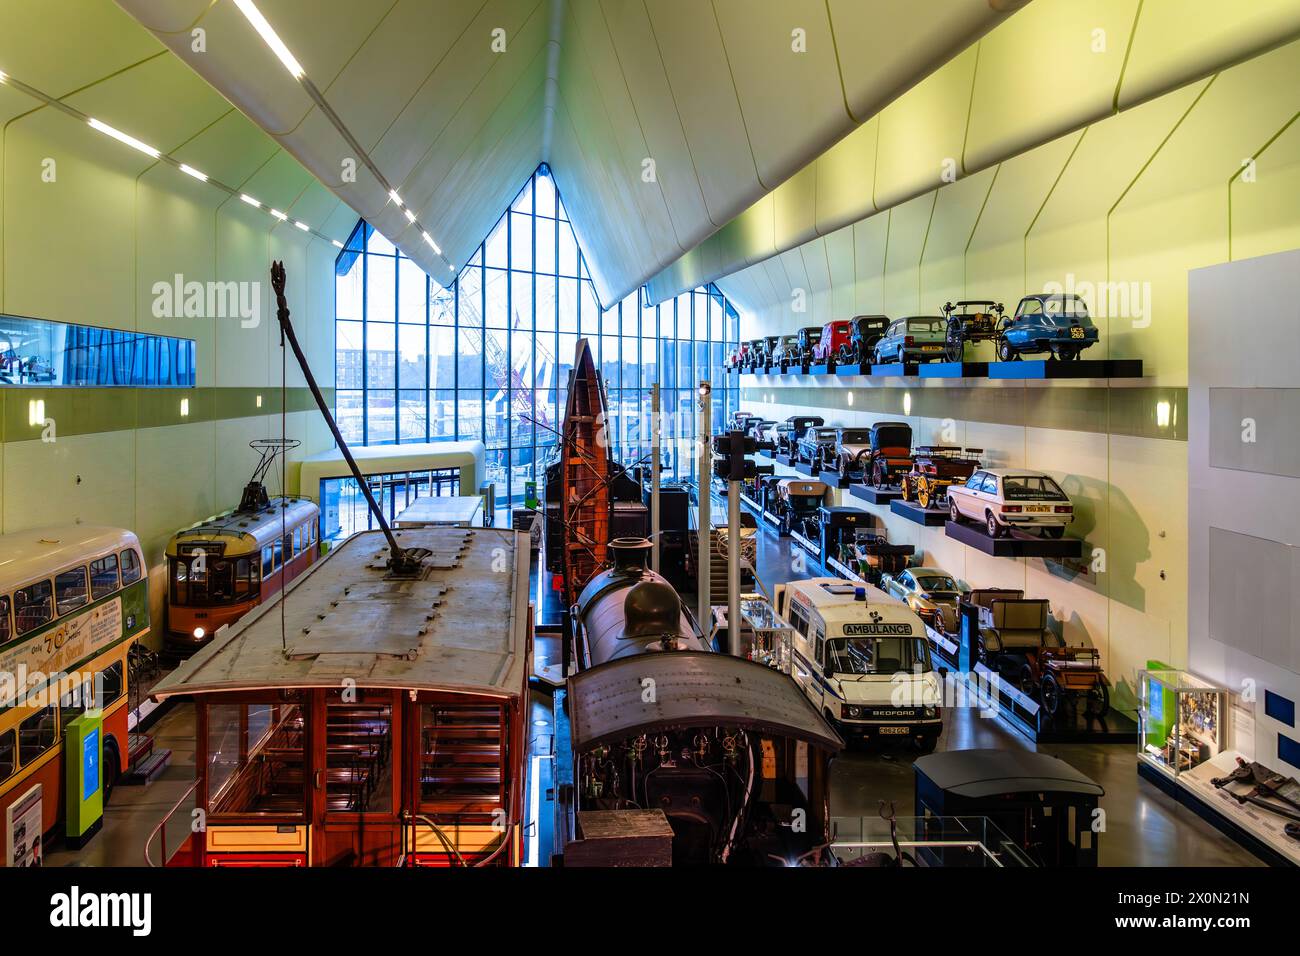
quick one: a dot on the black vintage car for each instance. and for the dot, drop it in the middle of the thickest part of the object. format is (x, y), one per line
(808, 339)
(764, 357)
(817, 446)
(864, 333)
(891, 454)
(788, 440)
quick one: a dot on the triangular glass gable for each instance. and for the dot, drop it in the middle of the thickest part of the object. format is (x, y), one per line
(488, 357)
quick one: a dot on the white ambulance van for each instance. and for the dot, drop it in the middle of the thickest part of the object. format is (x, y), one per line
(863, 659)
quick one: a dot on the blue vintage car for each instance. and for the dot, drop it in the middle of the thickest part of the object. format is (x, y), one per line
(1054, 323)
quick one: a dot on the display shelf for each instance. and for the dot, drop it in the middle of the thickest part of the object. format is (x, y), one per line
(912, 511)
(877, 496)
(806, 468)
(1023, 369)
(855, 369)
(955, 370)
(1017, 544)
(1080, 368)
(834, 478)
(784, 459)
(894, 370)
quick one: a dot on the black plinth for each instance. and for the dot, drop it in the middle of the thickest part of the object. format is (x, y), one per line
(804, 468)
(877, 496)
(855, 369)
(912, 511)
(895, 369)
(1080, 368)
(1017, 544)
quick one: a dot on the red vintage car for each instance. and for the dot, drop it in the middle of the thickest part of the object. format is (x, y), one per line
(835, 336)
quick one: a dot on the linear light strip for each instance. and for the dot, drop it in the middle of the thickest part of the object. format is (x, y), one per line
(157, 154)
(272, 39)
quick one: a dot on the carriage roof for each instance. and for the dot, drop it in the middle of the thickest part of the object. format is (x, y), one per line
(36, 553)
(460, 627)
(889, 434)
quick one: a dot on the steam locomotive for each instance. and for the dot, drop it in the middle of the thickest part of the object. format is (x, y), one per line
(729, 750)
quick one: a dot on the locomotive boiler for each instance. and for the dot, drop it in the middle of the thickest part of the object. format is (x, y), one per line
(727, 749)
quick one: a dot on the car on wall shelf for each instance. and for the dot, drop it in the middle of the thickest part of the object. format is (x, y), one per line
(817, 445)
(787, 441)
(1055, 323)
(852, 450)
(971, 320)
(1005, 498)
(891, 454)
(808, 338)
(786, 352)
(864, 332)
(931, 592)
(936, 468)
(753, 355)
(916, 338)
(834, 338)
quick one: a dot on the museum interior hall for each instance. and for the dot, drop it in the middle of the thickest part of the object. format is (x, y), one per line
(645, 433)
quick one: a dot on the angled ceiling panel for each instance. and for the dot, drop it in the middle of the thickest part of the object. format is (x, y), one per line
(1106, 55)
(690, 46)
(886, 47)
(787, 83)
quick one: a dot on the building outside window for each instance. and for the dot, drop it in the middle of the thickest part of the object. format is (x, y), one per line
(489, 357)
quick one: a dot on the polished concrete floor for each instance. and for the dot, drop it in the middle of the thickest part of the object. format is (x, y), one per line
(1143, 826)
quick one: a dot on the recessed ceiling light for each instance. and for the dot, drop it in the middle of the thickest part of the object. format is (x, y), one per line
(279, 215)
(392, 194)
(250, 200)
(410, 216)
(337, 243)
(432, 245)
(121, 137)
(191, 171)
(301, 225)
(254, 16)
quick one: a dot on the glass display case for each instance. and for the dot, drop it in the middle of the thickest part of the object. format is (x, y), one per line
(930, 841)
(1181, 719)
(766, 636)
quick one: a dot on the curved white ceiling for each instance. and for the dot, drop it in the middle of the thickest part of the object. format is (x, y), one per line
(727, 98)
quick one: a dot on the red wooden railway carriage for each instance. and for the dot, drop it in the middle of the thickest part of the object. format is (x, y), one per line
(382, 725)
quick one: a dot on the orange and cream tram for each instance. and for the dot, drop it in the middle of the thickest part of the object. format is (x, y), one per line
(223, 567)
(366, 716)
(72, 602)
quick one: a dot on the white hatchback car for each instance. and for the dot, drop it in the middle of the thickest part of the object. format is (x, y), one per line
(1001, 498)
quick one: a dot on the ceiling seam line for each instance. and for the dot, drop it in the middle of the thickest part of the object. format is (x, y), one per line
(744, 124)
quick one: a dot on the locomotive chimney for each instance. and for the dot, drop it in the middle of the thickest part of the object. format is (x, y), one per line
(630, 554)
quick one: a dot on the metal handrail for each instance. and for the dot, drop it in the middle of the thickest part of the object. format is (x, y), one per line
(449, 846)
(162, 827)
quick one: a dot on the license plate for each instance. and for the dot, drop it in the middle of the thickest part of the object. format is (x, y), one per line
(1038, 509)
(1076, 332)
(893, 731)
(931, 348)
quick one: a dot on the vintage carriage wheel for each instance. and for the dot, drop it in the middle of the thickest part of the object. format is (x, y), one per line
(877, 475)
(923, 493)
(1026, 682)
(1050, 694)
(1098, 702)
(905, 487)
(955, 340)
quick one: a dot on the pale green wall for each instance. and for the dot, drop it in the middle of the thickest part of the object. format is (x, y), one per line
(88, 248)
(1141, 197)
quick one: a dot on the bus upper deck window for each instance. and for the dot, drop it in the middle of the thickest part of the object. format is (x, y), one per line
(103, 577)
(4, 618)
(33, 606)
(71, 590)
(130, 567)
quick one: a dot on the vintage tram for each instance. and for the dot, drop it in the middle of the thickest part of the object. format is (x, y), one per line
(225, 566)
(372, 713)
